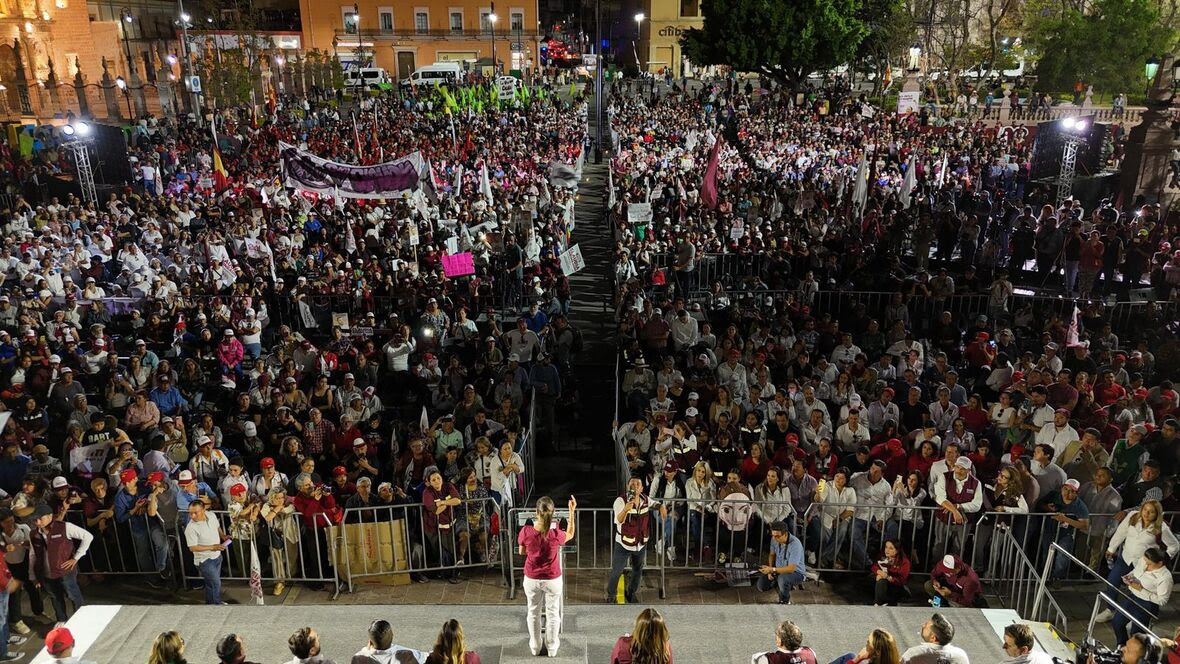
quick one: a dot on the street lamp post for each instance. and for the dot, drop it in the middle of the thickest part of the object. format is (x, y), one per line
(492, 18)
(639, 36)
(127, 19)
(193, 101)
(122, 83)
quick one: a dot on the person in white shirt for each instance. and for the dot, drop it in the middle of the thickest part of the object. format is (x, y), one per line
(852, 434)
(960, 495)
(845, 354)
(835, 521)
(1149, 586)
(206, 540)
(685, 332)
(940, 468)
(937, 634)
(1058, 434)
(1141, 530)
(871, 490)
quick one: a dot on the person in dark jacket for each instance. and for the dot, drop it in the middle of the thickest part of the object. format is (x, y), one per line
(231, 650)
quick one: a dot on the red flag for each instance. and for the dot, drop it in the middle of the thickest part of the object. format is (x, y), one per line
(709, 186)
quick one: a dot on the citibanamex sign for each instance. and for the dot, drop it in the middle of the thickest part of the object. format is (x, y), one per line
(671, 31)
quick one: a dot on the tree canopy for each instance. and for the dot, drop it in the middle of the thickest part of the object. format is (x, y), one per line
(783, 40)
(1105, 45)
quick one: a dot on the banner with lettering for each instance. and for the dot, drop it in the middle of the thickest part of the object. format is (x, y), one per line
(306, 172)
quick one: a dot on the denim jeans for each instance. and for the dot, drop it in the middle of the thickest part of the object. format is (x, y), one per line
(1141, 609)
(783, 582)
(211, 574)
(59, 590)
(151, 548)
(1060, 563)
(3, 622)
(669, 531)
(862, 532)
(620, 558)
(696, 528)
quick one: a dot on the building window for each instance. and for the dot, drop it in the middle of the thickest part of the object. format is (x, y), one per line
(421, 21)
(517, 21)
(385, 19)
(485, 22)
(350, 20)
(456, 21)
(690, 8)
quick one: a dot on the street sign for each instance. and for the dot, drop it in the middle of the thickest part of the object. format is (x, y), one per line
(194, 84)
(517, 46)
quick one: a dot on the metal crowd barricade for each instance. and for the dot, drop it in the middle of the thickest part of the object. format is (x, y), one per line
(719, 534)
(527, 449)
(116, 550)
(1087, 573)
(308, 558)
(591, 549)
(1018, 581)
(387, 540)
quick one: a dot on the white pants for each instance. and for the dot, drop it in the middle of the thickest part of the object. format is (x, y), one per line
(547, 591)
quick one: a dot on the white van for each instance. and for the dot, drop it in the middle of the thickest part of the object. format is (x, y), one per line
(365, 77)
(441, 73)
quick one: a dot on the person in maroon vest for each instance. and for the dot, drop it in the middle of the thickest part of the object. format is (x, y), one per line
(54, 557)
(790, 649)
(632, 528)
(960, 495)
(954, 582)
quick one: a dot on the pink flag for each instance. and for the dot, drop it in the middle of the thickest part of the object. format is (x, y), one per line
(709, 186)
(255, 576)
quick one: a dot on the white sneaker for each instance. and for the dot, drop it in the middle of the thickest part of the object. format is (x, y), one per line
(535, 649)
(1106, 615)
(670, 552)
(811, 575)
(810, 558)
(20, 627)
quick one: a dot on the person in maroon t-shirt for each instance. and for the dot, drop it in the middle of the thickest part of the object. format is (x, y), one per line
(439, 500)
(540, 544)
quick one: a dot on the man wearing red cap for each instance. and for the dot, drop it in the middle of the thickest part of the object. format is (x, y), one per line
(59, 643)
(269, 479)
(139, 510)
(342, 487)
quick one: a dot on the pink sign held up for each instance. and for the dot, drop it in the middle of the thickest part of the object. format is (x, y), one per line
(458, 265)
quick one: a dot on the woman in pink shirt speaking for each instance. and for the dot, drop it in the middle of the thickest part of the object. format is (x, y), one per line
(541, 544)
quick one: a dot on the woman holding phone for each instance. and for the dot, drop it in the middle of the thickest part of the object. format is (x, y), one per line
(541, 544)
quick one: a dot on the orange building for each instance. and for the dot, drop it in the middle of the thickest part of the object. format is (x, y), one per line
(402, 35)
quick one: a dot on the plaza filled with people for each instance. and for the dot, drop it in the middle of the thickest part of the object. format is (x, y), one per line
(851, 347)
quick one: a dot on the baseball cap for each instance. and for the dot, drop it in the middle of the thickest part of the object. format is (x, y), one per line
(157, 476)
(249, 428)
(237, 489)
(266, 462)
(40, 449)
(185, 477)
(963, 462)
(42, 510)
(338, 471)
(1073, 484)
(129, 475)
(691, 412)
(359, 442)
(949, 561)
(671, 466)
(1062, 411)
(1139, 429)
(60, 482)
(693, 395)
(58, 640)
(204, 440)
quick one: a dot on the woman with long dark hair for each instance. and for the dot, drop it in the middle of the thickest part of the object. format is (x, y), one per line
(647, 644)
(540, 544)
(450, 647)
(890, 574)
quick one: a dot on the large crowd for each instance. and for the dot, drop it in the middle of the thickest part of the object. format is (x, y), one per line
(286, 361)
(785, 274)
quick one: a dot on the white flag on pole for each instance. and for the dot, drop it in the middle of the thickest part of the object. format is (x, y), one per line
(908, 184)
(485, 185)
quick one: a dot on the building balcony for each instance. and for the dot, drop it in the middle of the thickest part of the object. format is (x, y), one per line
(434, 34)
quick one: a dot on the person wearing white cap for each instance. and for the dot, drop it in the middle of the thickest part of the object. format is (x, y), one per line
(250, 333)
(230, 353)
(1070, 515)
(95, 359)
(960, 495)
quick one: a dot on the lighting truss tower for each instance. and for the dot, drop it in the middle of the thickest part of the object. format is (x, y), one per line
(85, 173)
(1069, 163)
